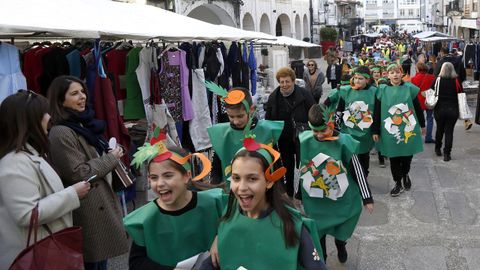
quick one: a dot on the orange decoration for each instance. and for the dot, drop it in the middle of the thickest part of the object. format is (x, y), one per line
(234, 97)
(332, 168)
(397, 120)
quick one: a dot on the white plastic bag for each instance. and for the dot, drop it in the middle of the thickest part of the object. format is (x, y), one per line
(464, 112)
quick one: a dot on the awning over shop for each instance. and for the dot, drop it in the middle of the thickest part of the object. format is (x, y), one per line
(435, 39)
(427, 34)
(108, 19)
(288, 41)
(469, 23)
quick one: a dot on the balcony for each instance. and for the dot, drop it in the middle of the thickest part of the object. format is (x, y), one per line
(350, 22)
(454, 8)
(347, 2)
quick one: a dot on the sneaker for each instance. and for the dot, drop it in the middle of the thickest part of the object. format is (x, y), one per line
(468, 124)
(447, 157)
(396, 190)
(438, 152)
(407, 183)
(341, 250)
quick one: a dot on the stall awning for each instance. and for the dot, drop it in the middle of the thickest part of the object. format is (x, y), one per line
(104, 18)
(427, 34)
(288, 41)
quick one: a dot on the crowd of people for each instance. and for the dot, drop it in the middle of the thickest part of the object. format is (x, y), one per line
(247, 213)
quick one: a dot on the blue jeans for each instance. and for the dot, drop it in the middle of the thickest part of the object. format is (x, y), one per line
(428, 135)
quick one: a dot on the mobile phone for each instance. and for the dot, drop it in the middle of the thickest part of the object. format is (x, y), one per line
(91, 178)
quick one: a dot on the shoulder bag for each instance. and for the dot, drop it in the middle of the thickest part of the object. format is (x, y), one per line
(431, 95)
(60, 250)
(464, 112)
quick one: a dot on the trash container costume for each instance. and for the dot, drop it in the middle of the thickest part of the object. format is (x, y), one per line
(332, 181)
(166, 237)
(226, 140)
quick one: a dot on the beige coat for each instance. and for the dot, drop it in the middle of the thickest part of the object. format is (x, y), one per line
(99, 214)
(25, 180)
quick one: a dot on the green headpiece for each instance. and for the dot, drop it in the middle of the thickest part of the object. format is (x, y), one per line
(233, 97)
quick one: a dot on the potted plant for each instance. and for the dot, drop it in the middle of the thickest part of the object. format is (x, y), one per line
(328, 38)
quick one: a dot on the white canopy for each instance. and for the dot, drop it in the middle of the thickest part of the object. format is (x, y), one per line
(427, 34)
(287, 41)
(103, 18)
(434, 39)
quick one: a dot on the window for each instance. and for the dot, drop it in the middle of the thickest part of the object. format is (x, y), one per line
(475, 6)
(410, 13)
(402, 12)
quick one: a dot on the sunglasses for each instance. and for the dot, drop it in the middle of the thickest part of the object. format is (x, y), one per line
(311, 65)
(30, 94)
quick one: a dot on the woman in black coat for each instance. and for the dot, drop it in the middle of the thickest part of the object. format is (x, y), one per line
(289, 103)
(446, 109)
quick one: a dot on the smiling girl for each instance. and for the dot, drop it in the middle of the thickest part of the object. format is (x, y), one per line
(260, 229)
(180, 224)
(397, 121)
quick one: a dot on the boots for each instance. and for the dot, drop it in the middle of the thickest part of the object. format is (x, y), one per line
(341, 250)
(447, 157)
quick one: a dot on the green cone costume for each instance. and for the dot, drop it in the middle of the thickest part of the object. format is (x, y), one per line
(400, 133)
(226, 141)
(358, 115)
(330, 195)
(172, 239)
(259, 243)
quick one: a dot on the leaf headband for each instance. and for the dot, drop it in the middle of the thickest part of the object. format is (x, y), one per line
(157, 151)
(233, 97)
(268, 153)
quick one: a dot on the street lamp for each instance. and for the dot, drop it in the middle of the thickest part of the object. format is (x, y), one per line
(325, 7)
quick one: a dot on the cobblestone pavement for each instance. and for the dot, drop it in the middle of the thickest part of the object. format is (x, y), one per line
(434, 226)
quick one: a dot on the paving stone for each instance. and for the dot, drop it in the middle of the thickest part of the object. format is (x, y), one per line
(420, 176)
(380, 255)
(446, 176)
(424, 208)
(426, 258)
(378, 217)
(471, 255)
(460, 210)
(379, 184)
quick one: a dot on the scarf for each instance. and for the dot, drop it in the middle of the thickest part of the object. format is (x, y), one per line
(91, 129)
(313, 79)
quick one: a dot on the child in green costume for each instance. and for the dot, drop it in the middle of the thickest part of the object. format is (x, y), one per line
(397, 121)
(227, 138)
(332, 180)
(356, 103)
(180, 224)
(260, 229)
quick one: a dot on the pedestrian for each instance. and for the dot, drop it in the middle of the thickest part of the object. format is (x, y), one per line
(446, 109)
(289, 103)
(357, 103)
(260, 228)
(314, 79)
(334, 73)
(27, 179)
(79, 151)
(396, 126)
(424, 80)
(179, 224)
(226, 138)
(333, 183)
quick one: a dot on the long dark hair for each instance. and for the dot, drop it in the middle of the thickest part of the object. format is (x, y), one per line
(21, 123)
(56, 95)
(275, 196)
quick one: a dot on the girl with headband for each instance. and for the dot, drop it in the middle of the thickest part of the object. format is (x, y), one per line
(333, 184)
(396, 126)
(260, 228)
(356, 103)
(180, 224)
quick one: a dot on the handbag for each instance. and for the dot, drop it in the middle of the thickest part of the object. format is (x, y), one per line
(431, 95)
(464, 112)
(60, 250)
(122, 177)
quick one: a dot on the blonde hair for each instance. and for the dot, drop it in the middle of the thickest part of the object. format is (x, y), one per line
(447, 71)
(285, 72)
(314, 63)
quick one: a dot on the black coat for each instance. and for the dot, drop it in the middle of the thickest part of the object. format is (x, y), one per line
(457, 64)
(293, 108)
(338, 73)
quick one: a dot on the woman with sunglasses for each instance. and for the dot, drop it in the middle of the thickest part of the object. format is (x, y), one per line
(26, 177)
(314, 79)
(79, 151)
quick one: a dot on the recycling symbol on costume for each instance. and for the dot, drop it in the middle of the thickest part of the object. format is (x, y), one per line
(358, 115)
(324, 177)
(401, 122)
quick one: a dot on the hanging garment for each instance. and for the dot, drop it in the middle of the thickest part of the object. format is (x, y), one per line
(211, 63)
(174, 85)
(32, 68)
(252, 64)
(54, 64)
(163, 119)
(239, 67)
(134, 108)
(11, 77)
(201, 121)
(477, 57)
(469, 54)
(74, 62)
(116, 61)
(143, 71)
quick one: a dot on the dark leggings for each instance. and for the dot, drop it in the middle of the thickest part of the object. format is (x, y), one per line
(446, 119)
(324, 246)
(400, 166)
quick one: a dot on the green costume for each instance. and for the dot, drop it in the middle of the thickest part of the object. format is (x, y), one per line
(358, 115)
(171, 239)
(134, 108)
(259, 243)
(400, 133)
(330, 195)
(226, 141)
